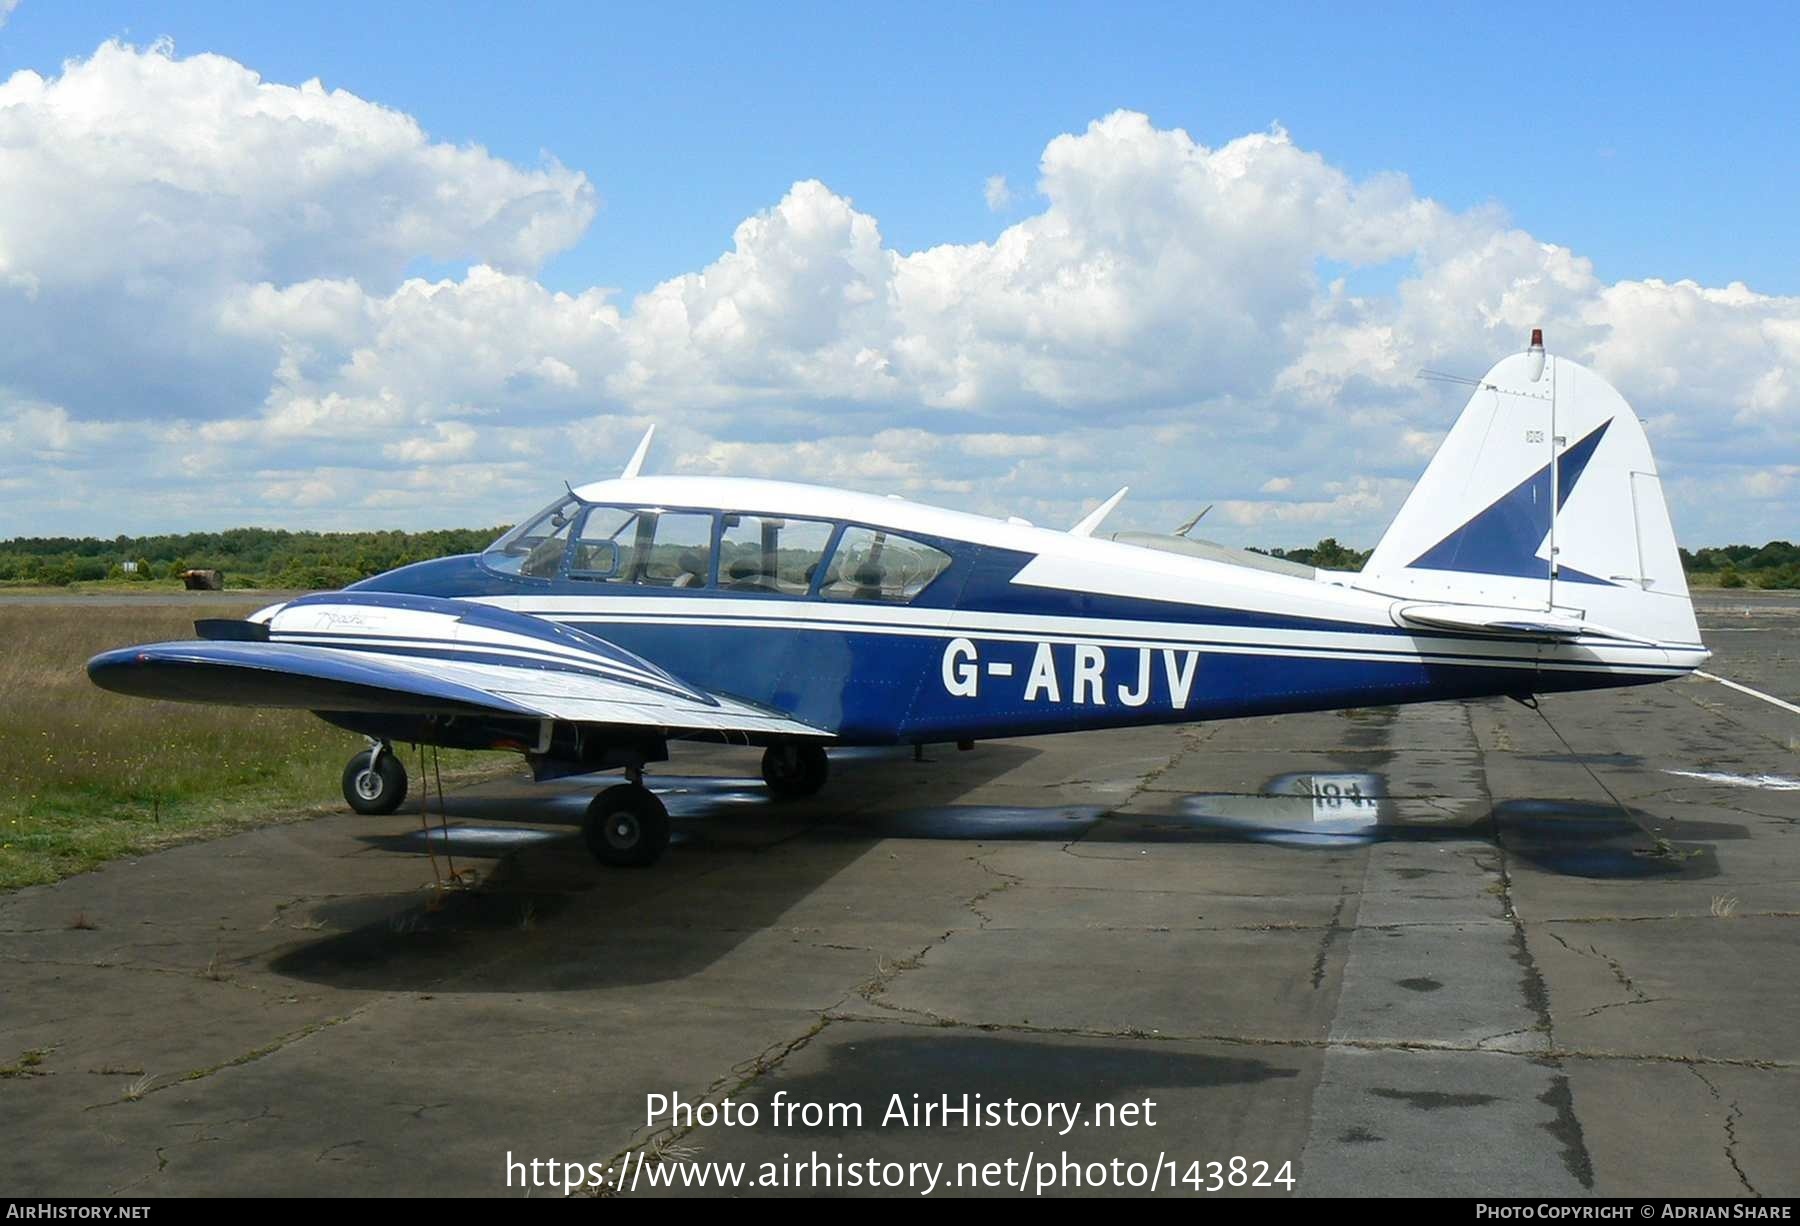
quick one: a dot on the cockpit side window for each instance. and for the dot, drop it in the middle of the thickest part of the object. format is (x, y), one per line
(651, 548)
(535, 548)
(600, 544)
(771, 553)
(869, 564)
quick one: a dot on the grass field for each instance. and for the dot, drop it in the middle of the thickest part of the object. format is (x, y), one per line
(86, 775)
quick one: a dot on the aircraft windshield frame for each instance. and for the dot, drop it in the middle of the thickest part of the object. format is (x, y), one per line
(511, 554)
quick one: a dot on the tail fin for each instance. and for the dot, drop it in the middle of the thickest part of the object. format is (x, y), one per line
(1543, 498)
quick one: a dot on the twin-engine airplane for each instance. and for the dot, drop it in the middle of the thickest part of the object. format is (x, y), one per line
(1535, 555)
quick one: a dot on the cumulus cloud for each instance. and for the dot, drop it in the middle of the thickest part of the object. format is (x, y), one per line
(206, 274)
(141, 192)
(997, 193)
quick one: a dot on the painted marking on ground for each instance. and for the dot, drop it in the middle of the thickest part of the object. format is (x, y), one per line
(1773, 783)
(1769, 698)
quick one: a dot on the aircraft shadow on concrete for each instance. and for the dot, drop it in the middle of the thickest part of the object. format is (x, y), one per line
(1571, 838)
(1567, 837)
(946, 1065)
(545, 916)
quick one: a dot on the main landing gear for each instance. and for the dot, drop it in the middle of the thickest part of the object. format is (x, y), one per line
(626, 825)
(793, 771)
(375, 780)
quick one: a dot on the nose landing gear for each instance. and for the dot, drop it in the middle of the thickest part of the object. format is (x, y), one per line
(375, 781)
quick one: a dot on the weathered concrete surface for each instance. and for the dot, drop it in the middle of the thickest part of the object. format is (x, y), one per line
(1426, 950)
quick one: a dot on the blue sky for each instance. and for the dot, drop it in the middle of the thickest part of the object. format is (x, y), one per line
(1656, 139)
(1000, 257)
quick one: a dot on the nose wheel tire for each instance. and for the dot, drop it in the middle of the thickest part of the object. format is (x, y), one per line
(375, 784)
(793, 771)
(627, 826)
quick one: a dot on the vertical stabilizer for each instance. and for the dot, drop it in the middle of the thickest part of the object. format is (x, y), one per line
(1544, 496)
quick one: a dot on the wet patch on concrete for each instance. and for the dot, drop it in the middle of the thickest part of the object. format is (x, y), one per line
(1058, 823)
(1434, 1100)
(1567, 1130)
(1587, 759)
(933, 1067)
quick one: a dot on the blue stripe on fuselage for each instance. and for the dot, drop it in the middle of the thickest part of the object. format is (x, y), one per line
(872, 685)
(882, 688)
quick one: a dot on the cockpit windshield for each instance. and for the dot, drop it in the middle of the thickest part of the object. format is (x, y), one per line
(535, 548)
(586, 544)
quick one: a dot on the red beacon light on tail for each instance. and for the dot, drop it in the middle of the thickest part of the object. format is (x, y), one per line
(1536, 353)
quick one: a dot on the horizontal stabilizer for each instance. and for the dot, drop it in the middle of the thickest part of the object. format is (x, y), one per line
(1492, 619)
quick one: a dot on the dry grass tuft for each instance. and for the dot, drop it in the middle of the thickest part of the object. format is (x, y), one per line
(135, 1090)
(27, 1065)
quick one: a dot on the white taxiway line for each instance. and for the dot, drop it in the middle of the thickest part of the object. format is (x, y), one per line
(1744, 689)
(1775, 783)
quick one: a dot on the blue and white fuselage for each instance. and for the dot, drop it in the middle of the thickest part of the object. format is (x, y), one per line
(1535, 555)
(1026, 630)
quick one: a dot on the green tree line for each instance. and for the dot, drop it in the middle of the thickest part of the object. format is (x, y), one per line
(1326, 555)
(275, 558)
(1775, 565)
(248, 557)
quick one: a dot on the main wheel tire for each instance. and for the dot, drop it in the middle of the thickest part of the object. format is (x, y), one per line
(793, 771)
(378, 790)
(627, 826)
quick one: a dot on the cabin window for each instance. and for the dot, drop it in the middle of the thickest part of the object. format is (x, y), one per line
(535, 548)
(651, 548)
(599, 546)
(869, 564)
(770, 553)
